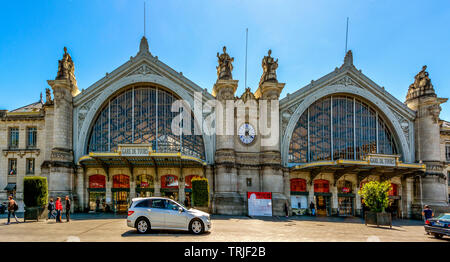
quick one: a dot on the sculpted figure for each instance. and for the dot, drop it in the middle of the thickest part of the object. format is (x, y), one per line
(269, 65)
(422, 80)
(48, 96)
(225, 65)
(66, 67)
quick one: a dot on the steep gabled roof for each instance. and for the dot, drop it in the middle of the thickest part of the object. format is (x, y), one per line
(143, 63)
(346, 74)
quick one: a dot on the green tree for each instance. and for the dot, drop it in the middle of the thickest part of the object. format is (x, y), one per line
(376, 195)
(200, 192)
(35, 191)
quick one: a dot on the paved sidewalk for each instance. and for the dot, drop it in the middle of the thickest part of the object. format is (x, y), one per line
(113, 228)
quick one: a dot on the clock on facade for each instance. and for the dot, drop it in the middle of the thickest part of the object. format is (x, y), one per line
(246, 133)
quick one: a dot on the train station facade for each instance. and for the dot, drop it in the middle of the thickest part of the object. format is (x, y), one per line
(115, 140)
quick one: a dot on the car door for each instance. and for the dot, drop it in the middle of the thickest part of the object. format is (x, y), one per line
(174, 218)
(157, 212)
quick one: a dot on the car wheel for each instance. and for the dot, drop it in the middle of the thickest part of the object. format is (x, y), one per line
(438, 236)
(142, 225)
(196, 226)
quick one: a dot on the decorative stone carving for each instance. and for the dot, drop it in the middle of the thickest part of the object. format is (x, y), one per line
(48, 96)
(434, 111)
(143, 70)
(404, 124)
(66, 68)
(247, 95)
(269, 66)
(225, 65)
(346, 81)
(422, 86)
(82, 112)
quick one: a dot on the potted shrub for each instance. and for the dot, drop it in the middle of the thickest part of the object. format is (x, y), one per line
(375, 195)
(35, 196)
(200, 193)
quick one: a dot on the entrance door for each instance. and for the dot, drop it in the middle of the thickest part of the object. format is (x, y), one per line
(120, 201)
(96, 201)
(322, 205)
(345, 206)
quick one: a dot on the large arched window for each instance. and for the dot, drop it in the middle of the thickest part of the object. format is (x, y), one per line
(142, 115)
(339, 127)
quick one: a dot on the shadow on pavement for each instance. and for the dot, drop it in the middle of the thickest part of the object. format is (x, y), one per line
(162, 233)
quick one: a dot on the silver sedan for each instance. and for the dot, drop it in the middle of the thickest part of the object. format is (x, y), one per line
(164, 213)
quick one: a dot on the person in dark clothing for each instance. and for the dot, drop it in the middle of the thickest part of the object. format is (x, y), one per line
(51, 209)
(286, 206)
(427, 212)
(12, 208)
(68, 208)
(312, 207)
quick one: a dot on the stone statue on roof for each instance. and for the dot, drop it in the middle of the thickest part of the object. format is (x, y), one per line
(422, 80)
(269, 65)
(66, 67)
(48, 96)
(422, 85)
(225, 65)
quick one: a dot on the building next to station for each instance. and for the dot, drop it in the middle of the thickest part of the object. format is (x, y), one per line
(113, 141)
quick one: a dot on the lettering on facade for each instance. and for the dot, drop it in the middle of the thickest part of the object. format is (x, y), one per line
(134, 151)
(382, 160)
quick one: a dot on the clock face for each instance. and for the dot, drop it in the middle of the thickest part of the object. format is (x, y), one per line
(246, 133)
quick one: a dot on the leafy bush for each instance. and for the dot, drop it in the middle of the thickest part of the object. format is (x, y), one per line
(200, 192)
(35, 191)
(376, 195)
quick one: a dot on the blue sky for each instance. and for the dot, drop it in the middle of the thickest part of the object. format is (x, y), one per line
(391, 40)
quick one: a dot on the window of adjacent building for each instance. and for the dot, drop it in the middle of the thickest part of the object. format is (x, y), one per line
(30, 166)
(31, 137)
(12, 166)
(447, 152)
(448, 177)
(14, 137)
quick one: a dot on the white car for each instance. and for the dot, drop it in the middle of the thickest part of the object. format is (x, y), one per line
(164, 213)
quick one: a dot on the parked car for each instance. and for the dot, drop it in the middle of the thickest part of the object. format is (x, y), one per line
(149, 213)
(438, 226)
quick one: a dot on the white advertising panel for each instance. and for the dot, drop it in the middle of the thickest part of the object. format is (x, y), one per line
(259, 203)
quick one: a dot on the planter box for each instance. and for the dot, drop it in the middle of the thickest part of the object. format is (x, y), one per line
(35, 213)
(378, 218)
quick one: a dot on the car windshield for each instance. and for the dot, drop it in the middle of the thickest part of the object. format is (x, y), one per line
(174, 205)
(444, 217)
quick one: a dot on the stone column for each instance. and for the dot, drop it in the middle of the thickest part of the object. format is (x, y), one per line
(287, 184)
(80, 188)
(157, 188)
(181, 186)
(407, 196)
(19, 182)
(209, 175)
(109, 199)
(334, 199)
(132, 189)
(357, 201)
(310, 187)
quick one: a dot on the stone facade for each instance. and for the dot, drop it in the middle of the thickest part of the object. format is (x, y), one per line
(232, 166)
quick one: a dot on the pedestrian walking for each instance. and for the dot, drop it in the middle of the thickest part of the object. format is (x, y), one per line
(51, 209)
(67, 208)
(12, 208)
(58, 207)
(286, 206)
(427, 213)
(312, 207)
